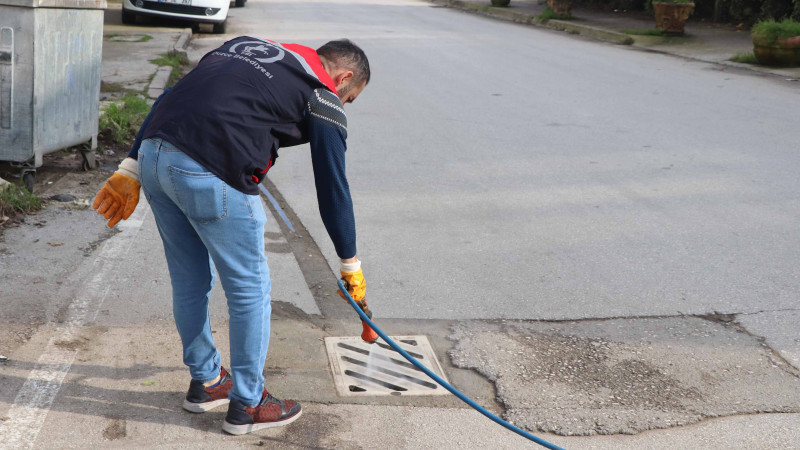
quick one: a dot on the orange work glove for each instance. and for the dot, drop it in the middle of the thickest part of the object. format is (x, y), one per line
(354, 281)
(119, 196)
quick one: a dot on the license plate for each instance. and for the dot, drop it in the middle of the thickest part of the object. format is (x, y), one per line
(177, 2)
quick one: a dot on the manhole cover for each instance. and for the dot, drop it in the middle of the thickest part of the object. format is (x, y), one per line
(361, 369)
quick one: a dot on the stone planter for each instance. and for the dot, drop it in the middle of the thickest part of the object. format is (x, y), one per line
(671, 17)
(500, 2)
(782, 52)
(560, 6)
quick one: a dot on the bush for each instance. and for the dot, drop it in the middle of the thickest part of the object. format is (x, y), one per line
(746, 12)
(773, 30)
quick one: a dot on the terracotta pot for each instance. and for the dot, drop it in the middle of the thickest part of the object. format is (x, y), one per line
(560, 6)
(500, 2)
(671, 17)
(782, 52)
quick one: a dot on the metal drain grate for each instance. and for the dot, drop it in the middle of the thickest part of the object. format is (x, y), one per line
(361, 369)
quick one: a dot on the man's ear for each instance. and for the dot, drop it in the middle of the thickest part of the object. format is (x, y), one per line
(342, 78)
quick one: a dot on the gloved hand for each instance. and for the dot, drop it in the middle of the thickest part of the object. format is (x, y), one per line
(353, 279)
(119, 196)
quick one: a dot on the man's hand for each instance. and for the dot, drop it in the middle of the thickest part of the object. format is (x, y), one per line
(119, 196)
(353, 279)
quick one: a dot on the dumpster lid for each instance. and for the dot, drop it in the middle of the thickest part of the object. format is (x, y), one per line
(83, 4)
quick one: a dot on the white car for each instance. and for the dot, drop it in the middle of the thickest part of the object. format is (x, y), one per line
(200, 11)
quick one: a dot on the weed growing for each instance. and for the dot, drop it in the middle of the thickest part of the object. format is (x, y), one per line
(549, 14)
(177, 61)
(121, 120)
(17, 199)
(643, 32)
(745, 57)
(115, 36)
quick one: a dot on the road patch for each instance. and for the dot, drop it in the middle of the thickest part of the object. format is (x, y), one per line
(625, 375)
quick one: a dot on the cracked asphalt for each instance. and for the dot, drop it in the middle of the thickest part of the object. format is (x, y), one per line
(626, 375)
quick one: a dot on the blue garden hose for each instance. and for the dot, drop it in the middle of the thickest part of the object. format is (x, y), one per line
(441, 382)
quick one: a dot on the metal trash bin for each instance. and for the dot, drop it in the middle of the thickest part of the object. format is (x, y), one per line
(50, 57)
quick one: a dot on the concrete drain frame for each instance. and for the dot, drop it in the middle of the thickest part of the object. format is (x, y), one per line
(361, 369)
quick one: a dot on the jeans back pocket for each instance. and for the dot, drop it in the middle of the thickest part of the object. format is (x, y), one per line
(201, 195)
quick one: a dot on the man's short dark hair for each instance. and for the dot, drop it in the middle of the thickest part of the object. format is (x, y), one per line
(345, 54)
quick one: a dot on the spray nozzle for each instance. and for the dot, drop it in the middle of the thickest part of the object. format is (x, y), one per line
(368, 335)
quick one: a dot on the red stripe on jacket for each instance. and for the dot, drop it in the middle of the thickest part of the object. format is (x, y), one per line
(312, 58)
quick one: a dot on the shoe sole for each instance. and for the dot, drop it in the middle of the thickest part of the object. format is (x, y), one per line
(250, 427)
(205, 406)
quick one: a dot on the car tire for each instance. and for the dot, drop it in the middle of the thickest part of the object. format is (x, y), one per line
(219, 28)
(128, 18)
(240, 3)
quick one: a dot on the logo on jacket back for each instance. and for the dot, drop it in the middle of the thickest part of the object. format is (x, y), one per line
(261, 51)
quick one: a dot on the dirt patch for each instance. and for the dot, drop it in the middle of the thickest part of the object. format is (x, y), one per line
(116, 429)
(72, 344)
(13, 335)
(624, 376)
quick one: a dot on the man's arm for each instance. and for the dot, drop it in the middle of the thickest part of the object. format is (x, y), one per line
(327, 135)
(118, 197)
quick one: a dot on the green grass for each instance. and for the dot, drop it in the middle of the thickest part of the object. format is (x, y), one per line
(549, 14)
(122, 120)
(112, 36)
(773, 30)
(111, 87)
(176, 61)
(643, 32)
(745, 57)
(18, 199)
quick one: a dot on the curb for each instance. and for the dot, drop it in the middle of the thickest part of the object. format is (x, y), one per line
(182, 42)
(528, 19)
(161, 78)
(585, 30)
(159, 82)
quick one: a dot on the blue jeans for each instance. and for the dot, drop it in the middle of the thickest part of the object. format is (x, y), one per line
(204, 223)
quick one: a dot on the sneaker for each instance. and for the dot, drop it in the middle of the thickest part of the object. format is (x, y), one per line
(271, 412)
(200, 398)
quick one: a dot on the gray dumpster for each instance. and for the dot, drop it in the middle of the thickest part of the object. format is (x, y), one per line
(50, 56)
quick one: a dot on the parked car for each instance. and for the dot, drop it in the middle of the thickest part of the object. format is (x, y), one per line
(200, 11)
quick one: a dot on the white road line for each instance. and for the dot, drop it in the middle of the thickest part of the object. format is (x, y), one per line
(33, 402)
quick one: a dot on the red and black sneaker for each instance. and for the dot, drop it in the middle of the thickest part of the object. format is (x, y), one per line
(271, 412)
(200, 398)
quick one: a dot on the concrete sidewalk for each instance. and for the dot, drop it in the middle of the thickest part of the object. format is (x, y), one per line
(129, 50)
(703, 41)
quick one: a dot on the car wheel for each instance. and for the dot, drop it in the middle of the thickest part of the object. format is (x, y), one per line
(128, 18)
(219, 28)
(240, 3)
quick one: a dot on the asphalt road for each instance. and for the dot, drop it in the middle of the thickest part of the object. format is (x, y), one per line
(505, 171)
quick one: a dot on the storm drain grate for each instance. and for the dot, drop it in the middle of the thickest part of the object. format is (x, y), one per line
(361, 369)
